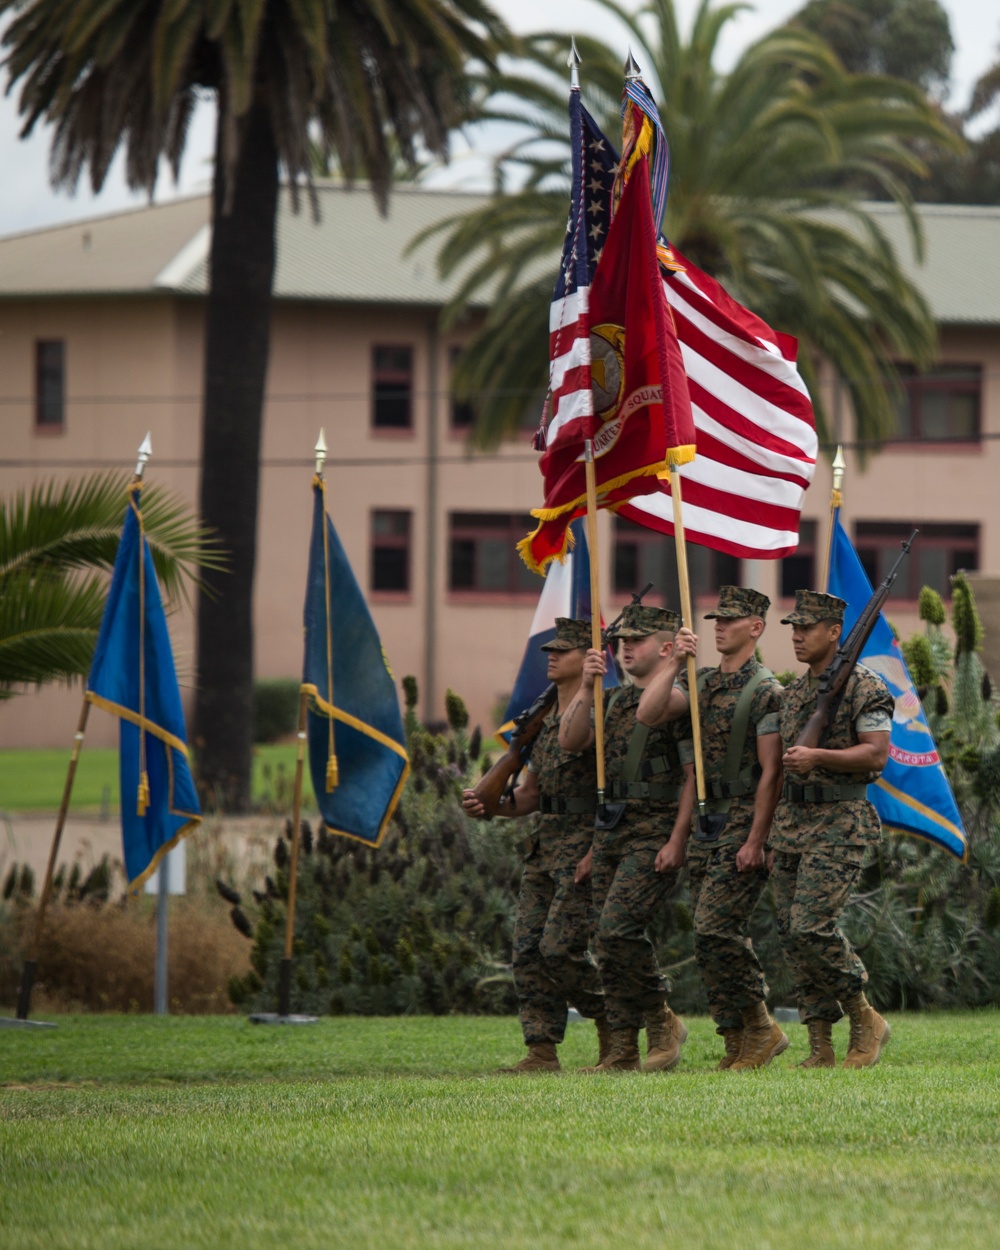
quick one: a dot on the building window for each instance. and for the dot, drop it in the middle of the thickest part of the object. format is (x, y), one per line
(483, 556)
(392, 388)
(463, 413)
(391, 551)
(941, 406)
(939, 552)
(798, 571)
(50, 384)
(642, 555)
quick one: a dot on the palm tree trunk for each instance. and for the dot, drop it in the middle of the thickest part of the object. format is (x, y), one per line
(237, 329)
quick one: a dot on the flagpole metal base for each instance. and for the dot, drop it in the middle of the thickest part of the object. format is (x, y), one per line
(12, 1022)
(272, 1017)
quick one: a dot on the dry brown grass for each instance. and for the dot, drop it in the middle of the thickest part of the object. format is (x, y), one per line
(103, 958)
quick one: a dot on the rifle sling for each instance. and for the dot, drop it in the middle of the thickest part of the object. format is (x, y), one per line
(735, 783)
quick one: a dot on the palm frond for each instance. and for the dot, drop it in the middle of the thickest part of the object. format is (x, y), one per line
(64, 526)
(48, 627)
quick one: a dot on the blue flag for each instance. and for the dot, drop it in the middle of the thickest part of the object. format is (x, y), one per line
(357, 748)
(133, 677)
(566, 592)
(912, 795)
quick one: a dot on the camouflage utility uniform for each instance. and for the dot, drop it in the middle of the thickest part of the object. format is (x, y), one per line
(821, 830)
(722, 896)
(554, 917)
(627, 890)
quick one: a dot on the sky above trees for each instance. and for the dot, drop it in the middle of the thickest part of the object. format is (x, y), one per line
(27, 202)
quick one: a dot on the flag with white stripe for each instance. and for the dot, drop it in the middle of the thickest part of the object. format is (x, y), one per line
(755, 429)
(753, 418)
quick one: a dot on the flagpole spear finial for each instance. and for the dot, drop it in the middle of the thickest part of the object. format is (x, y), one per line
(632, 70)
(145, 451)
(574, 61)
(320, 453)
(839, 465)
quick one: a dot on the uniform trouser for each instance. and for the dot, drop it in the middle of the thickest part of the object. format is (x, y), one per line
(811, 892)
(627, 894)
(723, 899)
(552, 965)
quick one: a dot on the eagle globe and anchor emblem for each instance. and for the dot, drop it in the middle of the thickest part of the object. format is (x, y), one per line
(607, 381)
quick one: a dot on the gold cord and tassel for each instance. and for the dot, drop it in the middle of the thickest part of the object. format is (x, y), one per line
(142, 799)
(332, 774)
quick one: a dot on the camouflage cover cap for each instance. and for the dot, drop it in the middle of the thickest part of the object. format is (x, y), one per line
(570, 634)
(736, 601)
(812, 606)
(639, 621)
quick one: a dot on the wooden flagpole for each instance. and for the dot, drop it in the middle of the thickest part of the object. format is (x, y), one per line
(688, 618)
(595, 611)
(836, 499)
(31, 962)
(285, 974)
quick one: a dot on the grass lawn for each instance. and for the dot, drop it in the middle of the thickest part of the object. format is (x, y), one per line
(204, 1132)
(33, 780)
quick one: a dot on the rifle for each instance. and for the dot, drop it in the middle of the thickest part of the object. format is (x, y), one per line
(502, 777)
(833, 679)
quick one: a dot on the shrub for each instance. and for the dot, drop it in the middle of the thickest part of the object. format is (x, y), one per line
(275, 709)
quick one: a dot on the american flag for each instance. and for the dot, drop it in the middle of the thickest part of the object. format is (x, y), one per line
(571, 406)
(756, 435)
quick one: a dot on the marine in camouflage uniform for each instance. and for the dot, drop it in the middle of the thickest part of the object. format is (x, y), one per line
(725, 890)
(821, 830)
(627, 888)
(553, 967)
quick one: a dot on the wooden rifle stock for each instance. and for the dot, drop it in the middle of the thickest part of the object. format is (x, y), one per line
(833, 679)
(493, 784)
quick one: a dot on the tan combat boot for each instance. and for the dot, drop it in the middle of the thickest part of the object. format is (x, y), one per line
(869, 1033)
(820, 1045)
(541, 1057)
(733, 1041)
(762, 1039)
(623, 1053)
(665, 1035)
(604, 1036)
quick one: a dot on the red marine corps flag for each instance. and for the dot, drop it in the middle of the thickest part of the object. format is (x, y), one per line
(637, 387)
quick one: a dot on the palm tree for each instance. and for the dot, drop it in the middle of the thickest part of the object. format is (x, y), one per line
(56, 544)
(374, 79)
(762, 162)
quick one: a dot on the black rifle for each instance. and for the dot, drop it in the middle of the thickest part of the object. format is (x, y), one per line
(500, 780)
(833, 679)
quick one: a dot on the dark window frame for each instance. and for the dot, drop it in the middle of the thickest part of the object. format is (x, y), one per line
(878, 545)
(798, 570)
(50, 385)
(466, 574)
(386, 545)
(392, 388)
(946, 378)
(641, 555)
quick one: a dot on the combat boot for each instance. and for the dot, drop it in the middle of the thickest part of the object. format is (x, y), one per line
(623, 1053)
(733, 1041)
(869, 1033)
(541, 1057)
(665, 1035)
(820, 1045)
(604, 1036)
(762, 1039)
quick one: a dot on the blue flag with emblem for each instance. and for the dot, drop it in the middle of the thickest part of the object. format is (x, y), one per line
(357, 747)
(912, 795)
(566, 592)
(133, 677)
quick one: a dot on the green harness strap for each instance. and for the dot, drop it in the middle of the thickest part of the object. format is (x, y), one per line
(737, 735)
